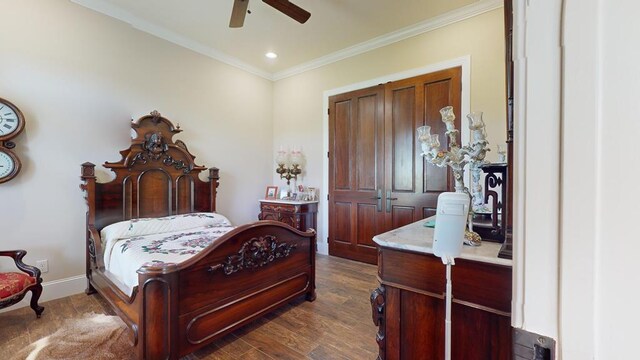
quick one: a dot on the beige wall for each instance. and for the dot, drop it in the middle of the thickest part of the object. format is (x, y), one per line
(297, 104)
(599, 244)
(79, 77)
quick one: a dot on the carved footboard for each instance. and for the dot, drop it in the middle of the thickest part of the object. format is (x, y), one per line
(252, 270)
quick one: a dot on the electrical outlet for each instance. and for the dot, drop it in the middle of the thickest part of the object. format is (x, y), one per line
(43, 265)
(528, 345)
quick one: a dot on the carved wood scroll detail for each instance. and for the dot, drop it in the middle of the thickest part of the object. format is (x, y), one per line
(377, 313)
(255, 253)
(276, 208)
(155, 148)
(492, 181)
(91, 246)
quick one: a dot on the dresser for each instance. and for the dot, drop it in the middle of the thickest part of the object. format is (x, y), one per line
(409, 305)
(301, 215)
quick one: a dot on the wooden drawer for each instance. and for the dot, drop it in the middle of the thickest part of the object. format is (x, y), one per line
(301, 216)
(474, 283)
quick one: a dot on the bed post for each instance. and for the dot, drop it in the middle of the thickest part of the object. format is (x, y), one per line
(311, 293)
(158, 312)
(88, 177)
(213, 183)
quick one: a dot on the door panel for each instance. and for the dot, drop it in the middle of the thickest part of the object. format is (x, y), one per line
(378, 180)
(366, 224)
(436, 94)
(427, 212)
(341, 147)
(356, 143)
(402, 215)
(342, 221)
(366, 143)
(430, 93)
(402, 135)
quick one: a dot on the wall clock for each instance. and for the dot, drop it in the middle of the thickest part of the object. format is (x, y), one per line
(11, 120)
(9, 165)
(11, 124)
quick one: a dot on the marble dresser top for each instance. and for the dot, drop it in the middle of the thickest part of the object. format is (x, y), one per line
(418, 238)
(292, 202)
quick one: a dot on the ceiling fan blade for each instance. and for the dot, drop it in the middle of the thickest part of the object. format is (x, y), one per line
(238, 13)
(291, 10)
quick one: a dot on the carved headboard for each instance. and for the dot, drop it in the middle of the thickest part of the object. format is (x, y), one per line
(155, 177)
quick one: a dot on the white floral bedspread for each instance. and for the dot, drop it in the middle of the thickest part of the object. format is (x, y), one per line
(128, 245)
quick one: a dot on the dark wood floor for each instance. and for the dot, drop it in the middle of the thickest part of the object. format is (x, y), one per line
(336, 326)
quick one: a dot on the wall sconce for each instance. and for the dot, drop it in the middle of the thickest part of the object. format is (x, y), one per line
(289, 164)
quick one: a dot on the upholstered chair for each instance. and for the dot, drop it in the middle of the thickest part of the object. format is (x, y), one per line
(15, 285)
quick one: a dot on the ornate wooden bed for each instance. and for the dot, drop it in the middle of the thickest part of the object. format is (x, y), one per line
(178, 308)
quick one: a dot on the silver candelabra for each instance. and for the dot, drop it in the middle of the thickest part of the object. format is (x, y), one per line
(457, 157)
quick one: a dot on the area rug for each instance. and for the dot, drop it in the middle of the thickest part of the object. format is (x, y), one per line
(95, 336)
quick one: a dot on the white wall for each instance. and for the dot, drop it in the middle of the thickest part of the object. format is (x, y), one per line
(616, 130)
(617, 290)
(298, 111)
(580, 184)
(589, 268)
(79, 77)
(537, 165)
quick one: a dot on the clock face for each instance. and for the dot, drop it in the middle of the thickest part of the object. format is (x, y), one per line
(8, 120)
(11, 120)
(7, 166)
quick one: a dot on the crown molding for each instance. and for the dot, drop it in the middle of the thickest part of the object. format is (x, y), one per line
(117, 12)
(454, 16)
(463, 13)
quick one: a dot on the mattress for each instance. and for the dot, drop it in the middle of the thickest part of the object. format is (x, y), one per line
(129, 245)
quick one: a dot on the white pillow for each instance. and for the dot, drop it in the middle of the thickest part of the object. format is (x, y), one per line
(147, 226)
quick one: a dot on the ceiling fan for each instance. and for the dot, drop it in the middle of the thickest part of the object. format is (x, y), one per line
(284, 6)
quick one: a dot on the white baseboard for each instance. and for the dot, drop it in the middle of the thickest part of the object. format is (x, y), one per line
(323, 248)
(54, 289)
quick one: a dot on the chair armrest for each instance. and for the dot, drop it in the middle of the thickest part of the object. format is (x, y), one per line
(14, 253)
(17, 256)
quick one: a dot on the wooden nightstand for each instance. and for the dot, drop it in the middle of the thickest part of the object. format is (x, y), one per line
(298, 214)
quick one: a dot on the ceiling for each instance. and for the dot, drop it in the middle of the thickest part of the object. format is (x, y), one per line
(336, 29)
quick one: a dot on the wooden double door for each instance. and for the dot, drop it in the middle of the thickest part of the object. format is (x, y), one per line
(378, 179)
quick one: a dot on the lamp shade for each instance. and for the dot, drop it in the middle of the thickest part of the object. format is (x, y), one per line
(281, 157)
(424, 133)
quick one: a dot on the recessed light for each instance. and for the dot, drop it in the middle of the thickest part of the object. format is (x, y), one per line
(271, 55)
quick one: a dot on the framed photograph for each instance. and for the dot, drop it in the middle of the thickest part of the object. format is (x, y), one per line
(313, 193)
(272, 192)
(284, 194)
(301, 188)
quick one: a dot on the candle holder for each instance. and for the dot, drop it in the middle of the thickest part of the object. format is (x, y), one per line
(479, 136)
(458, 157)
(289, 165)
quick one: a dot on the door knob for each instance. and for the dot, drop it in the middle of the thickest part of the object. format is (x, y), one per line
(379, 198)
(389, 199)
